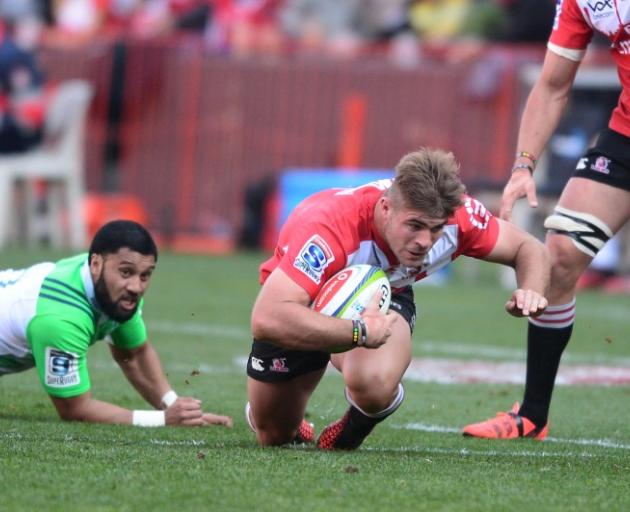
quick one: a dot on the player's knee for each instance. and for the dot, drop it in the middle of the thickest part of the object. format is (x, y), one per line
(581, 237)
(274, 436)
(568, 263)
(373, 392)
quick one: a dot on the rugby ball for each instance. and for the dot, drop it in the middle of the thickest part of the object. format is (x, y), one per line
(348, 292)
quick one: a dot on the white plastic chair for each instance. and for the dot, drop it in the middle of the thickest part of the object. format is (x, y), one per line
(59, 162)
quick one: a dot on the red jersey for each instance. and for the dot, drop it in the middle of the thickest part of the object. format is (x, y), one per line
(335, 228)
(573, 28)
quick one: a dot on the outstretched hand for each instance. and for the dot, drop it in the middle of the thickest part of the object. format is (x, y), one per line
(217, 419)
(526, 303)
(521, 184)
(186, 411)
(379, 325)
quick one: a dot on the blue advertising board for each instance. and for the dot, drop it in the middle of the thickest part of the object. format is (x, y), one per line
(298, 183)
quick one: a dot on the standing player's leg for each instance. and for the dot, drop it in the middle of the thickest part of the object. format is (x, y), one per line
(279, 384)
(583, 221)
(372, 378)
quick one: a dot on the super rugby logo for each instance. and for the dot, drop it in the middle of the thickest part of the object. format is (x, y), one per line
(313, 258)
(479, 215)
(61, 368)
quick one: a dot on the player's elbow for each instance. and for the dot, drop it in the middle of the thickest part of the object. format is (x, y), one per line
(528, 250)
(128, 357)
(267, 326)
(262, 326)
(71, 414)
(72, 408)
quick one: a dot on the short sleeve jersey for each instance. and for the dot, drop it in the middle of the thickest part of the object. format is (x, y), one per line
(60, 324)
(573, 28)
(335, 228)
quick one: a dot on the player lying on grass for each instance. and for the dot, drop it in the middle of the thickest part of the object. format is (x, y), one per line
(50, 314)
(410, 227)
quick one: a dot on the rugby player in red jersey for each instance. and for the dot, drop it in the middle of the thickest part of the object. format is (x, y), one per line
(411, 227)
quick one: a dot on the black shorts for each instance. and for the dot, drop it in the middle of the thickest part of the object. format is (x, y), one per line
(608, 161)
(270, 363)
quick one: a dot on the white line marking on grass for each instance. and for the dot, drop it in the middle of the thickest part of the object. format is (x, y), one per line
(463, 348)
(423, 427)
(503, 353)
(417, 449)
(170, 366)
(442, 371)
(604, 443)
(465, 452)
(428, 346)
(200, 329)
(458, 371)
(164, 442)
(232, 331)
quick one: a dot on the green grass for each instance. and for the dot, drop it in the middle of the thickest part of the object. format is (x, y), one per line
(197, 312)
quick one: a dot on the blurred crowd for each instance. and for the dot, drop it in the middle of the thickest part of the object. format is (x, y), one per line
(342, 28)
(406, 31)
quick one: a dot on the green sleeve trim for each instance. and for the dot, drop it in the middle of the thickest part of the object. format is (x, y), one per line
(82, 302)
(68, 303)
(79, 293)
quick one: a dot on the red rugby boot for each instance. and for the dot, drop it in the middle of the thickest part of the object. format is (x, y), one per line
(506, 425)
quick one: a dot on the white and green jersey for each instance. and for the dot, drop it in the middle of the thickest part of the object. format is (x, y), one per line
(48, 319)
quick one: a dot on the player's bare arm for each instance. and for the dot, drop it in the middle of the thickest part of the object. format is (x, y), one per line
(281, 315)
(143, 369)
(530, 259)
(185, 411)
(541, 116)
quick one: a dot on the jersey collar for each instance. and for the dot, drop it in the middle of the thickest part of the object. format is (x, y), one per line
(88, 284)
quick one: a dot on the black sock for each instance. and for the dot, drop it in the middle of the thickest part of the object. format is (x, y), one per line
(544, 350)
(360, 423)
(356, 430)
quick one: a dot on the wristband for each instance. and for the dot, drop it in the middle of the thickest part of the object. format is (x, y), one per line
(169, 398)
(356, 332)
(148, 418)
(363, 337)
(529, 156)
(518, 167)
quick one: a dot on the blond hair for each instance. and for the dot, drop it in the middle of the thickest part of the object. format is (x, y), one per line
(428, 180)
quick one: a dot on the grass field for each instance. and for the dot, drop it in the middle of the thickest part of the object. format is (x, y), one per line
(197, 312)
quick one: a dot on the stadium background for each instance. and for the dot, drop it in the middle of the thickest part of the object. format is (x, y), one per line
(192, 130)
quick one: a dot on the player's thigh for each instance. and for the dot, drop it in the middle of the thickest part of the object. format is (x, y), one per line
(609, 204)
(280, 383)
(384, 366)
(281, 405)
